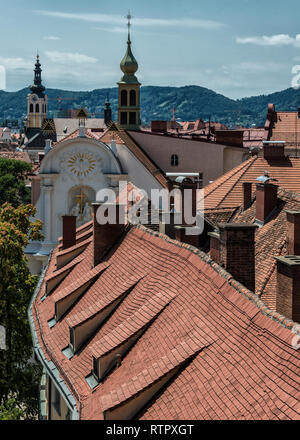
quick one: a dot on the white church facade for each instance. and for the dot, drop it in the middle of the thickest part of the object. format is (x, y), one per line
(72, 174)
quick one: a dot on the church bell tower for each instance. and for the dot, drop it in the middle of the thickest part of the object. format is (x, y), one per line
(37, 101)
(129, 90)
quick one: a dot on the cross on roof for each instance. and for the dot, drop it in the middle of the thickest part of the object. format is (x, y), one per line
(129, 17)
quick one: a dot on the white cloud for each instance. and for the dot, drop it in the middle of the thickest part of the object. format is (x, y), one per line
(52, 38)
(15, 63)
(274, 40)
(119, 20)
(67, 57)
(116, 29)
(253, 67)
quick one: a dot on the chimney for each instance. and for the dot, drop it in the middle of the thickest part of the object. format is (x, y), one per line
(247, 193)
(293, 232)
(106, 235)
(273, 150)
(188, 189)
(215, 246)
(187, 232)
(69, 231)
(159, 126)
(237, 251)
(266, 200)
(48, 145)
(288, 287)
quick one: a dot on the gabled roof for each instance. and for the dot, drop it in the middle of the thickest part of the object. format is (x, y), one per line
(128, 138)
(66, 126)
(227, 190)
(210, 347)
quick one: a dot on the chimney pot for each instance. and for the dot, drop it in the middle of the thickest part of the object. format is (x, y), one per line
(105, 236)
(215, 246)
(266, 200)
(273, 150)
(293, 232)
(69, 231)
(288, 287)
(247, 193)
(237, 251)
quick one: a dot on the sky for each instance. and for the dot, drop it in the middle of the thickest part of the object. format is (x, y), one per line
(237, 48)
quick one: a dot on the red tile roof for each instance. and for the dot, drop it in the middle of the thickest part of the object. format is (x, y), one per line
(286, 127)
(235, 355)
(227, 190)
(270, 241)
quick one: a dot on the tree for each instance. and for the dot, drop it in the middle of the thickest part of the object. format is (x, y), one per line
(18, 374)
(12, 181)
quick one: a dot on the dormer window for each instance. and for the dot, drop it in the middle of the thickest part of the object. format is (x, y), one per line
(71, 338)
(174, 160)
(95, 368)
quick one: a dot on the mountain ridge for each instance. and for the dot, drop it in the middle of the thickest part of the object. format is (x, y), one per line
(191, 102)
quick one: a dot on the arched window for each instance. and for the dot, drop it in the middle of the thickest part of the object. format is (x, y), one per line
(31, 108)
(37, 108)
(124, 98)
(174, 160)
(132, 98)
(45, 108)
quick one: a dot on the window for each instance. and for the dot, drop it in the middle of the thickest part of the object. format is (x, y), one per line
(124, 98)
(37, 108)
(31, 108)
(71, 337)
(174, 160)
(123, 118)
(95, 367)
(132, 118)
(132, 98)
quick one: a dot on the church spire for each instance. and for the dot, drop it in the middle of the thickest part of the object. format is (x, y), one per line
(129, 64)
(107, 111)
(129, 89)
(37, 86)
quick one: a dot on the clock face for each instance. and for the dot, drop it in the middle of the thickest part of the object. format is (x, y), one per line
(34, 98)
(81, 164)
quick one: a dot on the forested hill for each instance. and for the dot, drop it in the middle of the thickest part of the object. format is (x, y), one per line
(190, 102)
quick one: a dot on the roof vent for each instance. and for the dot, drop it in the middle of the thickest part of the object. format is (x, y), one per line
(266, 178)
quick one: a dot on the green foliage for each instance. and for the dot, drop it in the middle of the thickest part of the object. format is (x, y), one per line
(18, 374)
(12, 181)
(10, 410)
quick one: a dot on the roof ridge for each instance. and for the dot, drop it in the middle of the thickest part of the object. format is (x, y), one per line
(227, 176)
(238, 180)
(251, 296)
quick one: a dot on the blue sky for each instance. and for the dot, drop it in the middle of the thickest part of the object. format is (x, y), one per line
(235, 47)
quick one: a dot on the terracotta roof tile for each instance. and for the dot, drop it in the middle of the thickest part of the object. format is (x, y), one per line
(248, 364)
